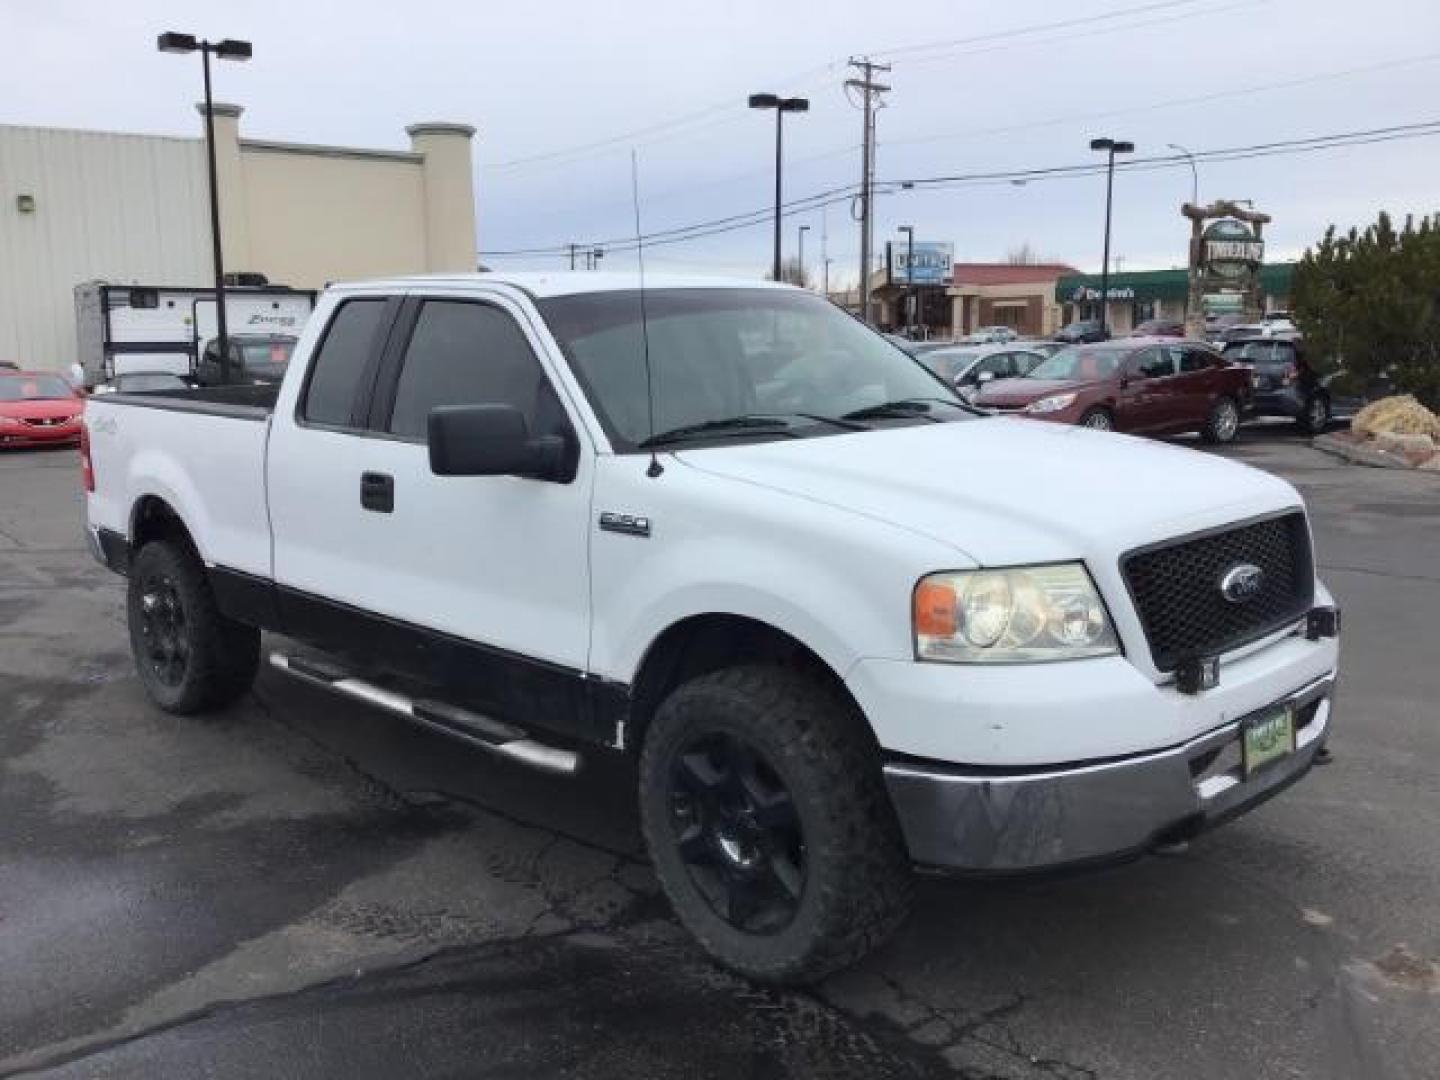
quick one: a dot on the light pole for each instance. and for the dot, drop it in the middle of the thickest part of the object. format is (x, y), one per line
(1111, 148)
(229, 49)
(1194, 173)
(781, 107)
(910, 296)
(800, 239)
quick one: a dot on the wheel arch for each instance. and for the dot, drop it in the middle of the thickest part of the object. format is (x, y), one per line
(699, 644)
(152, 517)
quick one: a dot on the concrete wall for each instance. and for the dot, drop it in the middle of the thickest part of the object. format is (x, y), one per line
(315, 217)
(127, 208)
(135, 209)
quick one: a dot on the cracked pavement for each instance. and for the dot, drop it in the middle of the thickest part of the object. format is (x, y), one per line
(304, 887)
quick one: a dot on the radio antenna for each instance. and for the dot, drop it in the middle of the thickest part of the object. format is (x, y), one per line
(655, 468)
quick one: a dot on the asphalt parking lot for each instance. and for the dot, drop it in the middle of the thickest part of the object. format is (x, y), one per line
(302, 887)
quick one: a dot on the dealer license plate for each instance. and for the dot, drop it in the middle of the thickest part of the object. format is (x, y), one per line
(1267, 738)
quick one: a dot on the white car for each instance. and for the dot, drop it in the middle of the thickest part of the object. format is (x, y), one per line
(990, 335)
(843, 623)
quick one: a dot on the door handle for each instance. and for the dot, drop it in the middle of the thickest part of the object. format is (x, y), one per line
(377, 492)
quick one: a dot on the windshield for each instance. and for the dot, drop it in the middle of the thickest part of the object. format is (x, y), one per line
(1079, 362)
(716, 354)
(1263, 354)
(34, 388)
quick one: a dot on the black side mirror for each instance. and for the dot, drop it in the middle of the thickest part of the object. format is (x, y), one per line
(491, 440)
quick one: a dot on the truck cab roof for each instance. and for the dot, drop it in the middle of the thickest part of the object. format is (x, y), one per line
(542, 284)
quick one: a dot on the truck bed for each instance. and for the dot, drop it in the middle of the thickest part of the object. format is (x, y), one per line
(201, 452)
(253, 401)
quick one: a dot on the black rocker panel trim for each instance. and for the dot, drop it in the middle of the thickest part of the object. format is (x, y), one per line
(509, 687)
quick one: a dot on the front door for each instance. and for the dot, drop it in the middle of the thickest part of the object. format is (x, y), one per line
(1144, 399)
(477, 586)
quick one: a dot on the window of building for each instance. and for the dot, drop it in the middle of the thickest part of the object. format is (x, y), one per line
(335, 376)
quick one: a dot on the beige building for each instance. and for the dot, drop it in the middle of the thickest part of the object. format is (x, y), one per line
(1020, 296)
(133, 209)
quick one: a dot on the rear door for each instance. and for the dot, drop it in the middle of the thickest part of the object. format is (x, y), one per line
(1143, 403)
(1198, 384)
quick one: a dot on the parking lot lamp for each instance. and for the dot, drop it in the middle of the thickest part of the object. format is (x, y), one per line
(1111, 147)
(781, 107)
(229, 49)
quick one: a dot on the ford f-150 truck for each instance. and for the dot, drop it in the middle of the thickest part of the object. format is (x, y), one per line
(845, 624)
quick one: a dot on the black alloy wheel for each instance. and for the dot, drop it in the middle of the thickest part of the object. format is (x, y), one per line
(738, 833)
(162, 626)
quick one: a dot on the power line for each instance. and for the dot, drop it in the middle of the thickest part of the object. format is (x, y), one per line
(720, 111)
(735, 222)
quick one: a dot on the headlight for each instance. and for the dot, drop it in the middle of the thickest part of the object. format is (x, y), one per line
(1031, 613)
(1053, 403)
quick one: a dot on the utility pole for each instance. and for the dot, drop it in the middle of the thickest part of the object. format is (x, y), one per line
(573, 249)
(825, 248)
(870, 89)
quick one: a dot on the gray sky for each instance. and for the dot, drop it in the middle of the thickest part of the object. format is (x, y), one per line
(974, 91)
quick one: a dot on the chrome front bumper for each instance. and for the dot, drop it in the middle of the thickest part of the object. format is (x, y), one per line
(997, 821)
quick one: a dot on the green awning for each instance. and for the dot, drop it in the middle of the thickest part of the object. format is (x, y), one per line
(1144, 285)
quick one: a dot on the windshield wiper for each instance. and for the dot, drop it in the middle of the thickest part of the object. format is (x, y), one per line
(766, 423)
(906, 407)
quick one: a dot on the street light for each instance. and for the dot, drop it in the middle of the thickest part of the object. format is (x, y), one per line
(781, 107)
(909, 231)
(229, 49)
(800, 237)
(1194, 173)
(1111, 148)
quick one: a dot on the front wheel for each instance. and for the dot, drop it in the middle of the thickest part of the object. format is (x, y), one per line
(1223, 424)
(769, 826)
(189, 656)
(1098, 420)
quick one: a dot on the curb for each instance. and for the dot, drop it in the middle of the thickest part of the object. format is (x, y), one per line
(1361, 454)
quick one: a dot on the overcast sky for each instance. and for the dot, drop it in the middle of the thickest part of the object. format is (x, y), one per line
(562, 91)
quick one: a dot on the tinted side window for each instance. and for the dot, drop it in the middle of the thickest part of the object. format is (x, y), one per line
(1196, 360)
(1155, 363)
(335, 375)
(998, 365)
(469, 354)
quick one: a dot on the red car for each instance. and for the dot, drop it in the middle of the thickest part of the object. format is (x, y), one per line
(1145, 385)
(38, 408)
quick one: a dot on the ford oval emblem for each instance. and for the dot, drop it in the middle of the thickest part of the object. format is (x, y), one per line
(1242, 582)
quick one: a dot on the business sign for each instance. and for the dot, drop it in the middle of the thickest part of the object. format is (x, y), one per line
(1230, 249)
(934, 262)
(1083, 294)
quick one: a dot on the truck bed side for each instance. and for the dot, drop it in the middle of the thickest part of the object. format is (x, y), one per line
(201, 452)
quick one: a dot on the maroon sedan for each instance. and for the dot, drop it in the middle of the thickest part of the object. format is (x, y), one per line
(1144, 385)
(38, 409)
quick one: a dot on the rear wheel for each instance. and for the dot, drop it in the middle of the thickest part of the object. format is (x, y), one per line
(1316, 417)
(769, 825)
(190, 658)
(1223, 424)
(1098, 419)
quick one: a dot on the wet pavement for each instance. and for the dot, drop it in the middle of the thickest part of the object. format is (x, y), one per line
(303, 887)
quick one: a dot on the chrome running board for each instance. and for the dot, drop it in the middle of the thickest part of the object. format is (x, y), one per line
(487, 734)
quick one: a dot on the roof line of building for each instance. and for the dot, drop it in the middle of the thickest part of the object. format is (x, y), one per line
(318, 150)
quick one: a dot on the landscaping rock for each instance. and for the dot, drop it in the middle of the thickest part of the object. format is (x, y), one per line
(1399, 415)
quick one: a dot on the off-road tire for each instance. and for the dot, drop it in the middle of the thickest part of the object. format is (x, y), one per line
(221, 655)
(1223, 423)
(1098, 419)
(858, 882)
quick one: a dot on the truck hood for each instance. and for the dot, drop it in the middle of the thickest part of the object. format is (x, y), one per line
(1005, 491)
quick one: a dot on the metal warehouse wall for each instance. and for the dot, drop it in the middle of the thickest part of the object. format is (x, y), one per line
(125, 208)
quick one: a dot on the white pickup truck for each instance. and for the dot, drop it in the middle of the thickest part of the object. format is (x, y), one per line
(844, 623)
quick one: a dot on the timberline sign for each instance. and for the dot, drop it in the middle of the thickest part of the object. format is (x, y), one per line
(1231, 249)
